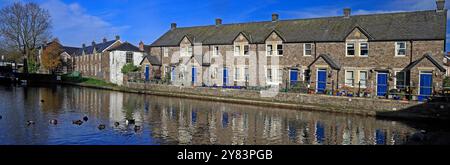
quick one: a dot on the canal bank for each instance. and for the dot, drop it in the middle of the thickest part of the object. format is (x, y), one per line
(405, 110)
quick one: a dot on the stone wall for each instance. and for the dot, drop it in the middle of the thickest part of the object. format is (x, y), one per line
(331, 102)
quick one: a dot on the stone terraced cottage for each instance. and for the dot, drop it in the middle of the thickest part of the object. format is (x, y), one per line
(376, 51)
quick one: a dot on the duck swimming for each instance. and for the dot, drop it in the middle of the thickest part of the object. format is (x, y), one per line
(85, 118)
(101, 127)
(137, 128)
(77, 122)
(53, 121)
(30, 122)
(116, 124)
(130, 121)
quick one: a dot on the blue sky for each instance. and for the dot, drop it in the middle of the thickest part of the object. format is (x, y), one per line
(76, 22)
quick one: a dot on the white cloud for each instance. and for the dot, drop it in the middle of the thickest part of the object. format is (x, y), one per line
(73, 25)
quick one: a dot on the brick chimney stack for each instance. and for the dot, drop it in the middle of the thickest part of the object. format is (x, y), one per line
(104, 40)
(141, 46)
(347, 12)
(117, 37)
(218, 21)
(173, 26)
(440, 5)
(274, 17)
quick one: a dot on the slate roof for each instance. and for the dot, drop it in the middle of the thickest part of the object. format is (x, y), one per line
(428, 57)
(152, 59)
(126, 47)
(418, 25)
(329, 60)
(99, 47)
(70, 50)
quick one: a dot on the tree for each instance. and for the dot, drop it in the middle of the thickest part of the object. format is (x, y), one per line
(25, 27)
(129, 67)
(51, 56)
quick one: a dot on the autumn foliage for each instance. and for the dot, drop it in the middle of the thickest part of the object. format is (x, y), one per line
(51, 59)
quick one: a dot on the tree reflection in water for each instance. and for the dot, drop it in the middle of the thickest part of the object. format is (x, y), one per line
(166, 120)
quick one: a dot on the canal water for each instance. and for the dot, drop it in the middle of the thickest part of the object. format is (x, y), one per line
(167, 120)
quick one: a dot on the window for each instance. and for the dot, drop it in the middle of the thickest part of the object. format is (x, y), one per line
(172, 77)
(269, 50)
(165, 52)
(246, 74)
(307, 50)
(400, 48)
(216, 50)
(269, 74)
(280, 75)
(189, 51)
(349, 78)
(364, 49)
(350, 49)
(214, 73)
(237, 50)
(183, 69)
(280, 49)
(363, 78)
(129, 58)
(400, 80)
(237, 75)
(246, 49)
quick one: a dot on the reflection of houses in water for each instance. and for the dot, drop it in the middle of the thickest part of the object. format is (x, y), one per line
(116, 107)
(196, 122)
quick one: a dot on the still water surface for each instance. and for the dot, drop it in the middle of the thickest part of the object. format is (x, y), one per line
(166, 120)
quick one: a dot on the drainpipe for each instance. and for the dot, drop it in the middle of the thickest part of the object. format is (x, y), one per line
(257, 65)
(162, 63)
(315, 50)
(411, 51)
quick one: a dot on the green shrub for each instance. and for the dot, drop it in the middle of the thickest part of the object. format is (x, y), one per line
(129, 67)
(447, 82)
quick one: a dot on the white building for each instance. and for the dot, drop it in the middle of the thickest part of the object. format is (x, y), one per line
(121, 55)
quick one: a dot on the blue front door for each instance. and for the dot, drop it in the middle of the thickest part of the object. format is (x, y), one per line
(321, 80)
(194, 75)
(382, 84)
(426, 87)
(147, 73)
(294, 77)
(225, 76)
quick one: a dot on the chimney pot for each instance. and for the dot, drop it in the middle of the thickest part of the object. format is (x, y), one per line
(347, 12)
(117, 37)
(83, 45)
(93, 43)
(274, 17)
(173, 26)
(141, 46)
(104, 40)
(440, 5)
(218, 21)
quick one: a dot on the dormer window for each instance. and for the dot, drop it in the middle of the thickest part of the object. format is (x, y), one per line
(189, 51)
(269, 50)
(350, 49)
(216, 51)
(364, 49)
(280, 49)
(237, 50)
(246, 49)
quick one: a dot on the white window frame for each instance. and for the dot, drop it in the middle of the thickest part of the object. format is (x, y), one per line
(237, 73)
(346, 49)
(360, 49)
(165, 52)
(267, 50)
(277, 50)
(238, 53)
(246, 73)
(397, 48)
(304, 49)
(366, 78)
(395, 78)
(216, 51)
(353, 78)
